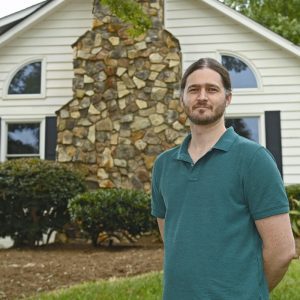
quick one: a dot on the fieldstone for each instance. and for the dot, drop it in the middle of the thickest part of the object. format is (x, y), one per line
(104, 125)
(179, 140)
(88, 79)
(140, 123)
(67, 137)
(142, 174)
(156, 119)
(141, 104)
(149, 161)
(160, 128)
(101, 76)
(106, 184)
(93, 110)
(114, 40)
(79, 93)
(161, 108)
(92, 134)
(85, 102)
(121, 71)
(154, 150)
(75, 114)
(171, 135)
(171, 116)
(177, 126)
(151, 138)
(79, 71)
(83, 54)
(173, 63)
(159, 83)
(84, 122)
(90, 93)
(80, 132)
(66, 154)
(173, 56)
(110, 94)
(98, 39)
(101, 174)
(140, 145)
(116, 125)
(157, 67)
(158, 93)
(125, 152)
(143, 74)
(132, 54)
(122, 163)
(128, 81)
(140, 46)
(64, 114)
(122, 90)
(106, 159)
(170, 76)
(147, 112)
(127, 118)
(139, 83)
(97, 23)
(155, 58)
(153, 75)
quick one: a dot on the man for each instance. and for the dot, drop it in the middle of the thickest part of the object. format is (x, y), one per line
(220, 202)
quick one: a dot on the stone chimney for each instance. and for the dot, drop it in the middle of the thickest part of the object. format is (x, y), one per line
(125, 109)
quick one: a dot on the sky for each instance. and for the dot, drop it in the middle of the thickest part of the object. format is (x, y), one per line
(10, 6)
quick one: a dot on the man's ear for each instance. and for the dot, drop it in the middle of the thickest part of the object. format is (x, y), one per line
(228, 97)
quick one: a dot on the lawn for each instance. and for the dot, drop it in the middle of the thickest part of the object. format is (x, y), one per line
(148, 287)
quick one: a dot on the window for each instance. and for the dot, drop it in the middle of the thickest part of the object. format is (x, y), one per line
(246, 126)
(240, 73)
(23, 140)
(27, 80)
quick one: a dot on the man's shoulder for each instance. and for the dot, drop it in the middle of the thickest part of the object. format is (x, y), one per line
(167, 155)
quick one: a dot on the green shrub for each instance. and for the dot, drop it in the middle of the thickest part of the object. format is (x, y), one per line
(34, 197)
(293, 192)
(112, 211)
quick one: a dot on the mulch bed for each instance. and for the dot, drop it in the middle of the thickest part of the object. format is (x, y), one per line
(25, 272)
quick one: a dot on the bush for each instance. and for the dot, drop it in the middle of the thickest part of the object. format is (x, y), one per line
(112, 211)
(34, 197)
(293, 192)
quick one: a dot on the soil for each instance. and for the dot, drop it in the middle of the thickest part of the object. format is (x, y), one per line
(27, 272)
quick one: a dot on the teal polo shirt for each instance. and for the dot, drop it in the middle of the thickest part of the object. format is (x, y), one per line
(212, 248)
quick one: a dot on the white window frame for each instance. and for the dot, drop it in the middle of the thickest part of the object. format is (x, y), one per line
(4, 128)
(11, 75)
(261, 123)
(250, 65)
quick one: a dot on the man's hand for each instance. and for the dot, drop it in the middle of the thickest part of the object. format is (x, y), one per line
(278, 246)
(161, 225)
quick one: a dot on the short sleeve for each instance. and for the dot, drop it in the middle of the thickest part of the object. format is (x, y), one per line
(263, 187)
(158, 208)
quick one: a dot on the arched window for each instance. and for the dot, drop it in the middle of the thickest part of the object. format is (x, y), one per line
(240, 73)
(27, 80)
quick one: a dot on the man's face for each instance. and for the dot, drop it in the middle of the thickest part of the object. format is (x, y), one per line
(204, 98)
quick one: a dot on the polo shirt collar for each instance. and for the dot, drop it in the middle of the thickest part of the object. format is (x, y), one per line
(224, 143)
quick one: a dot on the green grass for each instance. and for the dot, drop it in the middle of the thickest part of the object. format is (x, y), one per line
(148, 287)
(289, 287)
(143, 287)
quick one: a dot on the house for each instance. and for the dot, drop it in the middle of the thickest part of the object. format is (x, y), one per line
(264, 67)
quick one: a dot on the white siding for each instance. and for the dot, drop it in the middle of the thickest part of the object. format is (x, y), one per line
(50, 39)
(204, 32)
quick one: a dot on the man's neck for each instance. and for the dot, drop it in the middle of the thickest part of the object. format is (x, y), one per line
(204, 137)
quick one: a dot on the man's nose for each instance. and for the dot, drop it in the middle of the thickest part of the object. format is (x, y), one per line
(202, 94)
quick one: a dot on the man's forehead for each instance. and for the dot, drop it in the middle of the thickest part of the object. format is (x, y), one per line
(204, 77)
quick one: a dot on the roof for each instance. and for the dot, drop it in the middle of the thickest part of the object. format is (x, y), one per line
(9, 21)
(14, 24)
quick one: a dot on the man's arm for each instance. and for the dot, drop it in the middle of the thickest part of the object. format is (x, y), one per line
(161, 225)
(278, 246)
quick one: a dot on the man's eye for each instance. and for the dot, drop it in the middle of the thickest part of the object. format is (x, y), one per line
(212, 90)
(193, 90)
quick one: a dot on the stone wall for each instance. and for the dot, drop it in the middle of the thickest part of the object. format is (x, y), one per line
(125, 109)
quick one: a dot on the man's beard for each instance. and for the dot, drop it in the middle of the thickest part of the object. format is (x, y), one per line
(202, 119)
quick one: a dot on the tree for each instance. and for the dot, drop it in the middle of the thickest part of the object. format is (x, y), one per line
(280, 16)
(130, 11)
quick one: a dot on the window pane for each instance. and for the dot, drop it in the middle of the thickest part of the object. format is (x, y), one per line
(27, 80)
(241, 75)
(246, 127)
(23, 138)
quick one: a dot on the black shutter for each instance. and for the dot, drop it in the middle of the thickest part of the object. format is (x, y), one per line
(273, 136)
(51, 136)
